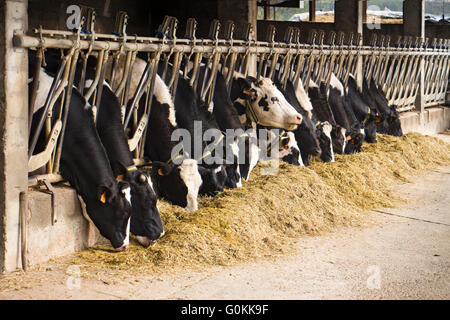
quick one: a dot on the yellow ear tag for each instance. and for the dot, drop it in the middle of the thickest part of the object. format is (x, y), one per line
(349, 138)
(103, 197)
(119, 178)
(160, 172)
(286, 147)
(246, 92)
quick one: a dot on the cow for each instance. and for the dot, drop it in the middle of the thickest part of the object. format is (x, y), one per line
(390, 120)
(341, 111)
(85, 165)
(176, 177)
(146, 223)
(263, 103)
(322, 114)
(287, 149)
(239, 145)
(305, 133)
(365, 114)
(318, 134)
(188, 110)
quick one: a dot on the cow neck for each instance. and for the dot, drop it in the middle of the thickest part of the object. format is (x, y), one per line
(209, 152)
(251, 113)
(120, 177)
(276, 140)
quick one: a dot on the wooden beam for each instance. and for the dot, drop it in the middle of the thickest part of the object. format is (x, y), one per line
(364, 15)
(312, 10)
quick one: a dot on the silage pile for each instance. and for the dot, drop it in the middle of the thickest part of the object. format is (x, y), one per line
(264, 217)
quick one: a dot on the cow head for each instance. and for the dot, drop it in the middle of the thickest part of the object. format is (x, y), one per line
(146, 223)
(393, 123)
(370, 130)
(355, 138)
(213, 179)
(289, 151)
(232, 167)
(251, 154)
(179, 184)
(326, 145)
(265, 103)
(110, 211)
(306, 136)
(339, 139)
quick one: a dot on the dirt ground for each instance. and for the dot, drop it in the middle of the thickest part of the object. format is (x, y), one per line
(405, 254)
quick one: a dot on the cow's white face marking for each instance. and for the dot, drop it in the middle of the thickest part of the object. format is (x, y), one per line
(45, 82)
(126, 241)
(344, 134)
(235, 150)
(163, 96)
(127, 193)
(149, 182)
(303, 98)
(335, 83)
(192, 179)
(326, 129)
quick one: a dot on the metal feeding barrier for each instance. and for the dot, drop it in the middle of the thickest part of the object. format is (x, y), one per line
(395, 68)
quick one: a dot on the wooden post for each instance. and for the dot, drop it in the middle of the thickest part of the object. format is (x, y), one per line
(312, 10)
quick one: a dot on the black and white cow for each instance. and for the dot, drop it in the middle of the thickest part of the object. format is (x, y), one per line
(365, 114)
(322, 113)
(305, 133)
(188, 110)
(260, 101)
(146, 223)
(85, 165)
(279, 144)
(263, 103)
(390, 120)
(343, 115)
(179, 183)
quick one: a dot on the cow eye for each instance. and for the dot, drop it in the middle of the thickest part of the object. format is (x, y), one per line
(274, 99)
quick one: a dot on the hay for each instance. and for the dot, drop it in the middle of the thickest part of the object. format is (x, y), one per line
(329, 18)
(265, 216)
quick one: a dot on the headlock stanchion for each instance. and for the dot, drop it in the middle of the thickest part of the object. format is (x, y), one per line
(395, 68)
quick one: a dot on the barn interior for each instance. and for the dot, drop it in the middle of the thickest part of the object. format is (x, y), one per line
(54, 224)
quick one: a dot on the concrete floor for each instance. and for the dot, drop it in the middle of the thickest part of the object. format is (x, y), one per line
(405, 255)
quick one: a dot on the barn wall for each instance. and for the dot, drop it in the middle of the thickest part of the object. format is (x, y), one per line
(51, 14)
(146, 16)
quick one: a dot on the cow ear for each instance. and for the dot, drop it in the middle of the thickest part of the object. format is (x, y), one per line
(104, 194)
(161, 169)
(244, 88)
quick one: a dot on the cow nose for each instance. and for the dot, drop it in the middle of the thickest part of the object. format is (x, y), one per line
(318, 152)
(123, 248)
(298, 119)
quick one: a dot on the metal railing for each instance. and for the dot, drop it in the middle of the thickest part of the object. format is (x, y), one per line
(395, 68)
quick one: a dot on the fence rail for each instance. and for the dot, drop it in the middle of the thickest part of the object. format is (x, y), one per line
(396, 68)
